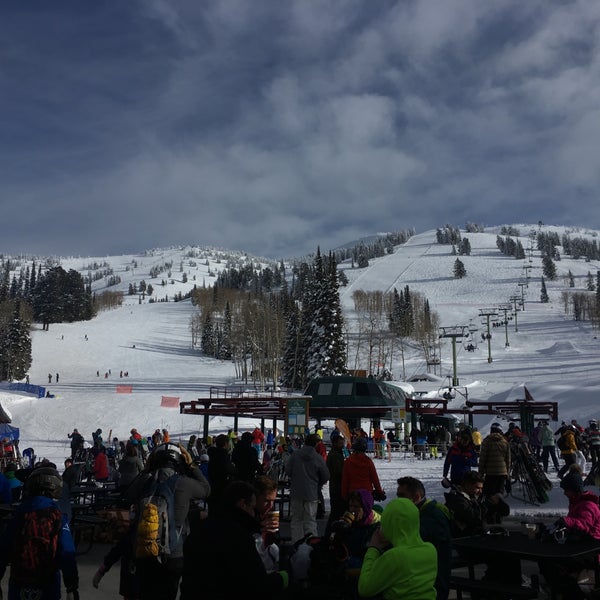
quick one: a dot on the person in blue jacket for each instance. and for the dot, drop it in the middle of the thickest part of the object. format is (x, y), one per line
(6, 495)
(40, 492)
(460, 459)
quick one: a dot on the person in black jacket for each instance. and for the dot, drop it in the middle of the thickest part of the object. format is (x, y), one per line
(245, 459)
(469, 509)
(220, 470)
(220, 555)
(159, 580)
(77, 443)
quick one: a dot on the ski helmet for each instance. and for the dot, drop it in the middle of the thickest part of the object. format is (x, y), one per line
(43, 481)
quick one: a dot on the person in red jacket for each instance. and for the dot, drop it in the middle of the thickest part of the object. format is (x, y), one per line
(258, 439)
(359, 472)
(101, 472)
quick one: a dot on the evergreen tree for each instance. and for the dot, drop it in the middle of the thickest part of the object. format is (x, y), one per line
(292, 365)
(15, 342)
(544, 293)
(459, 269)
(207, 340)
(32, 281)
(322, 322)
(548, 268)
(590, 286)
(225, 352)
(4, 281)
(519, 250)
(571, 279)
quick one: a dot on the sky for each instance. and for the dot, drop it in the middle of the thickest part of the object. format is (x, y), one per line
(552, 355)
(276, 127)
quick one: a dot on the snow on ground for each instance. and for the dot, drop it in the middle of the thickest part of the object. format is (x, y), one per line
(554, 356)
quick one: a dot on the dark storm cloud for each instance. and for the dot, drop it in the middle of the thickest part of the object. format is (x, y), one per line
(274, 127)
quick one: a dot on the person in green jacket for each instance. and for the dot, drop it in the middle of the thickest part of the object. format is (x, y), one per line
(434, 528)
(398, 564)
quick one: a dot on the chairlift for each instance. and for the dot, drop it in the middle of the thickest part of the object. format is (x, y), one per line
(470, 344)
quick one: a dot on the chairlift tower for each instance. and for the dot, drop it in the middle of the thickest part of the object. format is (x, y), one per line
(516, 299)
(505, 308)
(522, 284)
(487, 313)
(454, 333)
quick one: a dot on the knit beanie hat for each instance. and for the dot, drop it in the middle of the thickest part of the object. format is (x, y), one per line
(572, 482)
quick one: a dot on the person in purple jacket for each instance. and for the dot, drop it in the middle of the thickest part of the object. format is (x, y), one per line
(582, 522)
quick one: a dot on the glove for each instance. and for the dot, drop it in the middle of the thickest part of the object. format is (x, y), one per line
(560, 523)
(187, 457)
(73, 595)
(446, 483)
(379, 496)
(98, 575)
(285, 578)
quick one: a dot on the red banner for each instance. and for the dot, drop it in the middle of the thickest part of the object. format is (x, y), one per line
(124, 389)
(170, 401)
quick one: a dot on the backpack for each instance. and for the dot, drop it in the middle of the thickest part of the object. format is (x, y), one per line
(35, 560)
(561, 442)
(155, 532)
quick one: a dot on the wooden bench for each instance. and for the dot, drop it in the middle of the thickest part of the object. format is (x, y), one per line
(478, 588)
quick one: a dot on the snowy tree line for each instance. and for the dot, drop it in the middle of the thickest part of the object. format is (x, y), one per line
(510, 247)
(289, 334)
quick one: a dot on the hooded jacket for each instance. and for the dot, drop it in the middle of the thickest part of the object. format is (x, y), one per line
(584, 514)
(494, 458)
(570, 445)
(308, 472)
(408, 569)
(360, 532)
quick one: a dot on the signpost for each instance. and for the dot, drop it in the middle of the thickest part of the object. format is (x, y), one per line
(296, 415)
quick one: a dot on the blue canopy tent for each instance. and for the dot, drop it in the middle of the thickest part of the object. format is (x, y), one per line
(8, 432)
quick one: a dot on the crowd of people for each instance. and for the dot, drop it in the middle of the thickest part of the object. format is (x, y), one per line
(205, 510)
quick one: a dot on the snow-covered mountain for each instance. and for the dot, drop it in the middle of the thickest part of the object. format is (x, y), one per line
(555, 356)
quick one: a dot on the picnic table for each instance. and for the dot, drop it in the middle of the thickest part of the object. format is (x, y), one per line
(517, 545)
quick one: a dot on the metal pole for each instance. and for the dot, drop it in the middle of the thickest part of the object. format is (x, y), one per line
(487, 313)
(514, 300)
(489, 339)
(454, 374)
